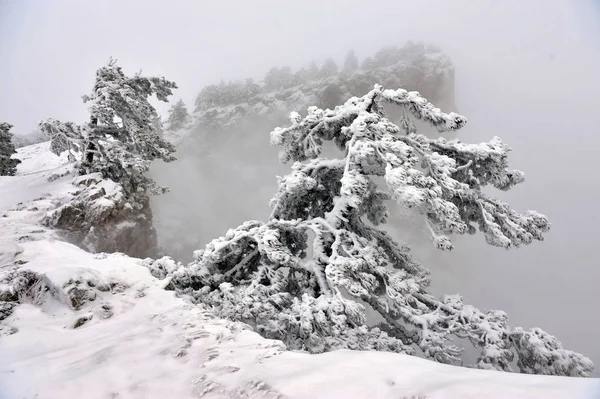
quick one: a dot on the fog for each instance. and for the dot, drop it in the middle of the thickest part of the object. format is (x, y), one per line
(525, 71)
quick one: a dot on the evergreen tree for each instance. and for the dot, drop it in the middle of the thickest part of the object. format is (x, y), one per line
(207, 98)
(312, 72)
(301, 77)
(387, 56)
(251, 89)
(8, 165)
(178, 115)
(368, 64)
(328, 69)
(279, 78)
(124, 133)
(350, 63)
(304, 275)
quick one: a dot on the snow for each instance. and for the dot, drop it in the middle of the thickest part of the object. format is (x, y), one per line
(37, 165)
(141, 341)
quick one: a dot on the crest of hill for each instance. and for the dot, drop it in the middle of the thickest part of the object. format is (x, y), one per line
(414, 66)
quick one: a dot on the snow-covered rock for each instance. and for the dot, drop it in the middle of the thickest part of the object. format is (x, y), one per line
(100, 218)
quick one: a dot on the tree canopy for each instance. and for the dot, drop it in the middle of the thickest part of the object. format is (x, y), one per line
(8, 165)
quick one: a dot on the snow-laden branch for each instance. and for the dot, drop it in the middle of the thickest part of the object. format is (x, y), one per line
(308, 274)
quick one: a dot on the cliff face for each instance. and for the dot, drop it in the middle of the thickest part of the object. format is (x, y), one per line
(100, 219)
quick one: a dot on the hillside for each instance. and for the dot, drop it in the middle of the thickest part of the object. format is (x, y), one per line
(100, 326)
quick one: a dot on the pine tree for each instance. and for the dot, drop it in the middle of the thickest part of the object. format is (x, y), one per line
(8, 165)
(307, 275)
(251, 88)
(124, 133)
(301, 76)
(279, 78)
(350, 63)
(312, 72)
(178, 115)
(328, 69)
(368, 64)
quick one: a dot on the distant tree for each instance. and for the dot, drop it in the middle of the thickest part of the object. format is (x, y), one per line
(331, 96)
(178, 115)
(368, 64)
(251, 89)
(271, 79)
(301, 77)
(328, 69)
(387, 56)
(350, 63)
(312, 72)
(304, 275)
(223, 96)
(36, 136)
(64, 136)
(8, 165)
(279, 78)
(207, 98)
(286, 77)
(416, 49)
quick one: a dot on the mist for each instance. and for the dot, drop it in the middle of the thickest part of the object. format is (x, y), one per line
(525, 71)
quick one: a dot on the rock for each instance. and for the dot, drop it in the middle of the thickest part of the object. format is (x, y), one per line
(6, 309)
(82, 320)
(100, 219)
(88, 180)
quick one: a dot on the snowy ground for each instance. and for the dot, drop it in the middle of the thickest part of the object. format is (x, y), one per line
(136, 340)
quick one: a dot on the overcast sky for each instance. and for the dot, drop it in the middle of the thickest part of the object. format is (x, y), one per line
(50, 49)
(526, 70)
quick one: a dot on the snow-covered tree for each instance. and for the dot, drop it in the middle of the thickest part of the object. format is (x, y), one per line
(251, 88)
(206, 98)
(8, 165)
(125, 133)
(328, 69)
(64, 136)
(350, 63)
(387, 56)
(279, 78)
(307, 275)
(312, 71)
(111, 209)
(178, 115)
(368, 64)
(301, 76)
